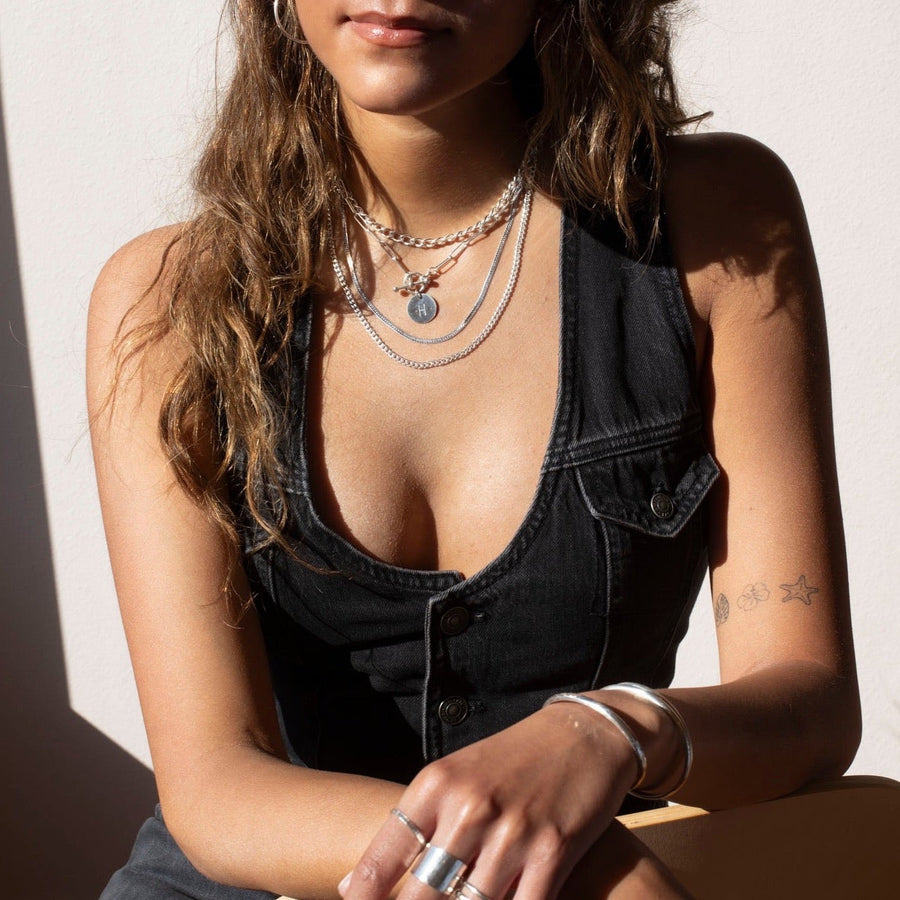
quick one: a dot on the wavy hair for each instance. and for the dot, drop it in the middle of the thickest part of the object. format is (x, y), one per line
(597, 82)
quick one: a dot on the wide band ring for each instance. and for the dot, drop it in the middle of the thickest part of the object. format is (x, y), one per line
(408, 822)
(440, 870)
(465, 890)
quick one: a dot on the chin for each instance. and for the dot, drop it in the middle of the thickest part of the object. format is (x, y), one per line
(392, 103)
(399, 94)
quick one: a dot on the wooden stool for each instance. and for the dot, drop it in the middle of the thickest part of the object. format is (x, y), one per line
(834, 840)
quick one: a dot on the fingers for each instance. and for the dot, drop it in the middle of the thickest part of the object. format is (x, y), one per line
(392, 851)
(499, 861)
(508, 857)
(473, 846)
(500, 826)
(533, 870)
(455, 842)
(485, 859)
(438, 870)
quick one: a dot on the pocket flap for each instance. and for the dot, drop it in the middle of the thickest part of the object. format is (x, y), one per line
(654, 490)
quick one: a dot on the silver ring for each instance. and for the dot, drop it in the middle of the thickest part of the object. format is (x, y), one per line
(408, 822)
(440, 870)
(465, 890)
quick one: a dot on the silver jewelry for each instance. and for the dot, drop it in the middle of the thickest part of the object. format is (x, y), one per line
(440, 870)
(642, 692)
(475, 342)
(467, 891)
(419, 282)
(496, 214)
(424, 299)
(279, 22)
(417, 832)
(613, 717)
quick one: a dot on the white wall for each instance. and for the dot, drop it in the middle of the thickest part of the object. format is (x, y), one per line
(102, 103)
(816, 83)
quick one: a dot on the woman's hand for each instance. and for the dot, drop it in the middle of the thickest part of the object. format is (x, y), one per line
(521, 807)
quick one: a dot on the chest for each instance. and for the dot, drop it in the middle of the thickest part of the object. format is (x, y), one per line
(593, 581)
(436, 468)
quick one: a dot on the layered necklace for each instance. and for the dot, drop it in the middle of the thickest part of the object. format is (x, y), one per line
(421, 306)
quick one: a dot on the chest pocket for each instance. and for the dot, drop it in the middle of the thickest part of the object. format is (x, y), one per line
(647, 506)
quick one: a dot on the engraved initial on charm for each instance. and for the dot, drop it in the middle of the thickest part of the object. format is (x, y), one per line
(421, 308)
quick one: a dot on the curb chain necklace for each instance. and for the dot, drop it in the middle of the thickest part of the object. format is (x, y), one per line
(524, 214)
(496, 214)
(422, 307)
(370, 305)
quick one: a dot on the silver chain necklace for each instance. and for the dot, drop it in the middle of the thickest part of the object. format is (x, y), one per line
(370, 305)
(422, 307)
(497, 213)
(475, 342)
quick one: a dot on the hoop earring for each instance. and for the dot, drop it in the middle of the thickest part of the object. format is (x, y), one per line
(279, 24)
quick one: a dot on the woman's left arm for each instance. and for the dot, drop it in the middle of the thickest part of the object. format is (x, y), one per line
(787, 710)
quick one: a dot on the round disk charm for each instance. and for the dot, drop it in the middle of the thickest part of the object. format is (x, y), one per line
(421, 308)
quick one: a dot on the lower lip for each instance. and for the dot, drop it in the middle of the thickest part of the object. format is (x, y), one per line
(382, 36)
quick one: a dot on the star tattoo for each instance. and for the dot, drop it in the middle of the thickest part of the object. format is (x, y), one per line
(799, 590)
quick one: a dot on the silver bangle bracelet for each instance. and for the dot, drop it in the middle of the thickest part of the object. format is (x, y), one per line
(614, 718)
(642, 692)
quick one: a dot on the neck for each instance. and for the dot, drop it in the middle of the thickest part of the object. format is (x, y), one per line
(434, 173)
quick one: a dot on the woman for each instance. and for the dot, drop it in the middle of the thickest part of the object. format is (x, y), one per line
(443, 497)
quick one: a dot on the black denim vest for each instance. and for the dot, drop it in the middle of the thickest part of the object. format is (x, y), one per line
(379, 669)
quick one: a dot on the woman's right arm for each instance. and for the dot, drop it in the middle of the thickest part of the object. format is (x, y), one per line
(242, 814)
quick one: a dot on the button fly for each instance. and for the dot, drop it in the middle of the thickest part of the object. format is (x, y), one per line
(453, 710)
(455, 620)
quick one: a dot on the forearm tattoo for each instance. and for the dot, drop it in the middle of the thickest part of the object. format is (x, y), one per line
(755, 594)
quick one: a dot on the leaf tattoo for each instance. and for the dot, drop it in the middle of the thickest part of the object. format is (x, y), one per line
(721, 608)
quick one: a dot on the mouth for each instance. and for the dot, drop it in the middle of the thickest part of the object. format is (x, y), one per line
(393, 31)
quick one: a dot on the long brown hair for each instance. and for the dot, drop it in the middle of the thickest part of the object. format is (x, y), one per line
(597, 79)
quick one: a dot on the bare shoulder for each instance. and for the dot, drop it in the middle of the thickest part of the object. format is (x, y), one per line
(132, 273)
(130, 292)
(734, 158)
(721, 178)
(735, 217)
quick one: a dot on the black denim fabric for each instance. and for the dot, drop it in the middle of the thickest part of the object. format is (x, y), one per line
(158, 870)
(378, 669)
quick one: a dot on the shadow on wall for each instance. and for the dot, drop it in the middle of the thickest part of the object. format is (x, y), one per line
(72, 801)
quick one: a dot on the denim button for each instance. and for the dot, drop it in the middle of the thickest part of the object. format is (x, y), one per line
(453, 710)
(455, 621)
(663, 505)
